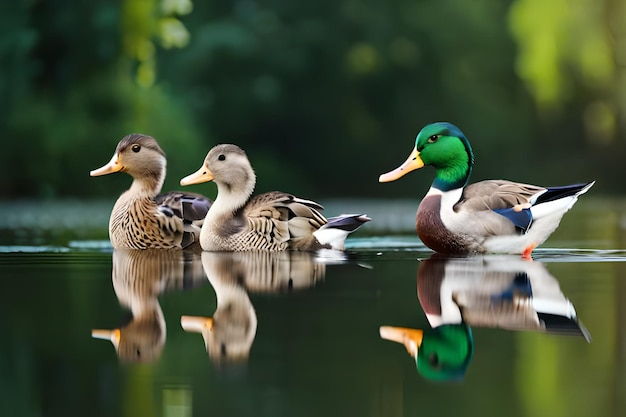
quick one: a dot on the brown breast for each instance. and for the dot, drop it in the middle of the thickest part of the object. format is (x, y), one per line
(430, 275)
(432, 231)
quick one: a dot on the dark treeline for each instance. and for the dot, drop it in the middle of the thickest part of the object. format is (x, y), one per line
(323, 95)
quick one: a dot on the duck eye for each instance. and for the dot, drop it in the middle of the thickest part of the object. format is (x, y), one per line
(136, 148)
(433, 138)
(222, 157)
(433, 360)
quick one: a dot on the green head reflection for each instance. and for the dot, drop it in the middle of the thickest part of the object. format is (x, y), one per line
(441, 354)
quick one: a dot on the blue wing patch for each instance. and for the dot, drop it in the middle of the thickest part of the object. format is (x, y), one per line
(520, 287)
(521, 219)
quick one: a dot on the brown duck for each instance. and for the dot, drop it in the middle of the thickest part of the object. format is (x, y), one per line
(142, 218)
(273, 221)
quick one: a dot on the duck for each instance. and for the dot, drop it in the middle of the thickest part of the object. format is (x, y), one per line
(495, 291)
(442, 353)
(229, 333)
(272, 221)
(141, 217)
(490, 216)
(139, 277)
(458, 294)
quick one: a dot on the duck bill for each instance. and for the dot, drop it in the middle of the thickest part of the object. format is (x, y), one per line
(112, 166)
(200, 176)
(196, 324)
(111, 335)
(410, 338)
(412, 163)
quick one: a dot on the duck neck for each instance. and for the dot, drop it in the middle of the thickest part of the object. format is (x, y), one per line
(455, 174)
(148, 185)
(231, 197)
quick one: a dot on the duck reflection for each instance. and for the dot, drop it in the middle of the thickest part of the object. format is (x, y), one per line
(228, 335)
(139, 276)
(496, 291)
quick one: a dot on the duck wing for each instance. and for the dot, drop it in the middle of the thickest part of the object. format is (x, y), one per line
(497, 195)
(191, 208)
(520, 203)
(281, 217)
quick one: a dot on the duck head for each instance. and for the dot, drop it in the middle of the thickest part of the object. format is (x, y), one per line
(443, 146)
(441, 354)
(228, 166)
(139, 156)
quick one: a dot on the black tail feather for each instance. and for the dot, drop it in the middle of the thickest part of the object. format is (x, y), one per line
(554, 193)
(347, 222)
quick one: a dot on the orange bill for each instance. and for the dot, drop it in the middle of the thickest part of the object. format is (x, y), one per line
(410, 338)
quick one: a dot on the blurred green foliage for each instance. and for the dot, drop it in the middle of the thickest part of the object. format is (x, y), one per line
(324, 96)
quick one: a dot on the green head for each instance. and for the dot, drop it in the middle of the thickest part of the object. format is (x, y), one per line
(443, 146)
(446, 352)
(441, 354)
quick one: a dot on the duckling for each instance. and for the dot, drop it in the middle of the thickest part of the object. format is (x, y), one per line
(273, 221)
(141, 218)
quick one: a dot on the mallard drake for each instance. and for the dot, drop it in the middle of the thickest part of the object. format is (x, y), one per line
(141, 218)
(496, 216)
(272, 221)
(497, 291)
(494, 291)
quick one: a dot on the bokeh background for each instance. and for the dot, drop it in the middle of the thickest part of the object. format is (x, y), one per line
(323, 95)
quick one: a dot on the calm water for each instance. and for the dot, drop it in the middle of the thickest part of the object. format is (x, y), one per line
(89, 331)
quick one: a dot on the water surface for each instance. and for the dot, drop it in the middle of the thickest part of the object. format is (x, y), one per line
(91, 331)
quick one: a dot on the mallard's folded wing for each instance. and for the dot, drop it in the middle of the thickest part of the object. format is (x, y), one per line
(497, 194)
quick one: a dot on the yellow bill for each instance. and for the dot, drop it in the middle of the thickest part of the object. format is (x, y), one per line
(112, 166)
(196, 324)
(111, 335)
(201, 175)
(412, 163)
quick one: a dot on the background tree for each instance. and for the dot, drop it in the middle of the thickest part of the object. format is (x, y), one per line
(324, 96)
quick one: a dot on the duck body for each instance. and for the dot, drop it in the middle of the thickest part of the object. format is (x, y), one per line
(483, 218)
(141, 217)
(139, 277)
(492, 216)
(495, 291)
(273, 221)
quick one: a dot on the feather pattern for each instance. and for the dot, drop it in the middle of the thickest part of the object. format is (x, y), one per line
(272, 221)
(139, 277)
(141, 218)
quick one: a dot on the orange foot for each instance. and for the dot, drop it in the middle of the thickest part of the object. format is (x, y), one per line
(527, 253)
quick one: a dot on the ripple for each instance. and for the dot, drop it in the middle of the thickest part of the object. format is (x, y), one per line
(33, 249)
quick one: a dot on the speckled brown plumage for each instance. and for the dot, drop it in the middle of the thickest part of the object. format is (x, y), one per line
(141, 219)
(139, 277)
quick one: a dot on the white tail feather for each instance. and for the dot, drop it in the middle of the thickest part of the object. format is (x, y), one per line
(561, 205)
(333, 233)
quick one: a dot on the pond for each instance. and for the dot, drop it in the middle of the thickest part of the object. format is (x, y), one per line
(91, 331)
